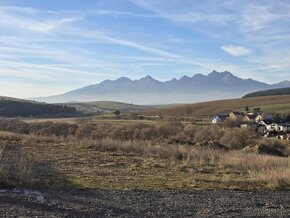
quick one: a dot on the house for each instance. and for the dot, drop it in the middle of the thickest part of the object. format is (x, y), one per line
(285, 137)
(283, 128)
(235, 115)
(219, 118)
(272, 127)
(249, 118)
(249, 125)
(267, 118)
(259, 118)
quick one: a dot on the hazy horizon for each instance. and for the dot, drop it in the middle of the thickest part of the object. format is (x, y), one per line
(52, 47)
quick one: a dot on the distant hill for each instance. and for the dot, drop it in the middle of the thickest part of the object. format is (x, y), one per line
(149, 91)
(281, 91)
(273, 104)
(107, 107)
(13, 107)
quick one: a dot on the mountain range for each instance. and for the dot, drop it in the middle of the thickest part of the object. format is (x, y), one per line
(147, 90)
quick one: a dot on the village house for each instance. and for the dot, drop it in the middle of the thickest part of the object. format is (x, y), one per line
(284, 137)
(262, 122)
(267, 118)
(272, 127)
(249, 125)
(235, 115)
(284, 128)
(281, 131)
(249, 118)
(259, 118)
(219, 118)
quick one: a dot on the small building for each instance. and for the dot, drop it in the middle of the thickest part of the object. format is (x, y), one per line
(283, 128)
(259, 118)
(249, 118)
(235, 115)
(267, 118)
(272, 127)
(284, 137)
(249, 125)
(219, 118)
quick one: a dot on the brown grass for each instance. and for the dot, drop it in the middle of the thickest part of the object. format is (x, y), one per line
(220, 106)
(166, 155)
(269, 171)
(15, 165)
(171, 132)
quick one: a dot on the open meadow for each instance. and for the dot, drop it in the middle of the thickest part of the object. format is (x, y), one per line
(273, 104)
(160, 155)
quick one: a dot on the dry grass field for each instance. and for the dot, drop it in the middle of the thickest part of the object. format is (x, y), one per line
(107, 107)
(269, 103)
(125, 157)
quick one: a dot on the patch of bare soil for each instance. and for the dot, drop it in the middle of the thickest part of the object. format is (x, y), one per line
(137, 203)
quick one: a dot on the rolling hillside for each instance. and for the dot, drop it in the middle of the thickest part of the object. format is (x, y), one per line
(281, 91)
(13, 107)
(272, 104)
(107, 107)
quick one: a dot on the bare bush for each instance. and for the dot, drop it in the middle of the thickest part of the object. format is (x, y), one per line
(209, 133)
(16, 165)
(238, 138)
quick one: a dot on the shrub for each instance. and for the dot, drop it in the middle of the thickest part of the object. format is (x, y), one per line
(208, 133)
(238, 138)
(16, 165)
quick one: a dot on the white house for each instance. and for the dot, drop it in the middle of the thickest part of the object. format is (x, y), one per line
(219, 118)
(272, 127)
(284, 128)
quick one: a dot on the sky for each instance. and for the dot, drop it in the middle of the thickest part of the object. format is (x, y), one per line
(49, 47)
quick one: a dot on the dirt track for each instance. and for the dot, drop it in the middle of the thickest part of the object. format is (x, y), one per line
(100, 203)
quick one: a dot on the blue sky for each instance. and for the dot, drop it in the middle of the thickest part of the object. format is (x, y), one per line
(52, 46)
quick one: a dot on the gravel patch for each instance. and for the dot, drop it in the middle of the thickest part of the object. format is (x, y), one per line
(139, 203)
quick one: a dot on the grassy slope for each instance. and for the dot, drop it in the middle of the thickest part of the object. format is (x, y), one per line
(15, 107)
(164, 106)
(269, 103)
(270, 92)
(5, 98)
(108, 106)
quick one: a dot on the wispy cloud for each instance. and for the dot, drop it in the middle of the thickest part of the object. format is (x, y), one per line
(236, 50)
(55, 25)
(107, 40)
(187, 12)
(256, 17)
(248, 15)
(26, 19)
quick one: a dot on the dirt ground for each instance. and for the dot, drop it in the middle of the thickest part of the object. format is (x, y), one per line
(138, 203)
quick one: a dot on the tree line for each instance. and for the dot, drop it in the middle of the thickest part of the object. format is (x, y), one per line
(282, 91)
(10, 108)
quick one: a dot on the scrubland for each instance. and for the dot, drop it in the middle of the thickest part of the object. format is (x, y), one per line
(161, 155)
